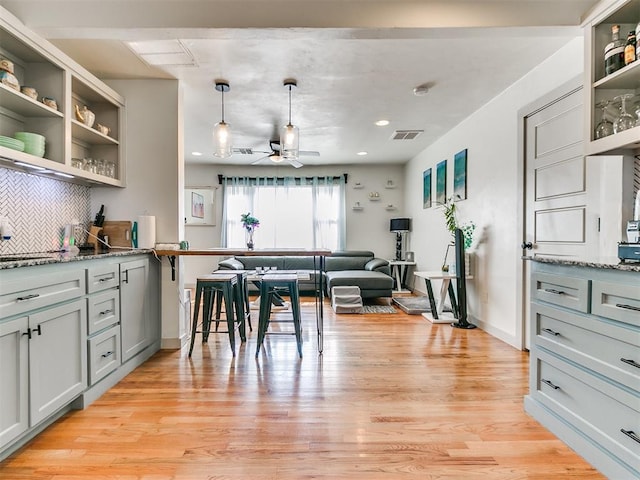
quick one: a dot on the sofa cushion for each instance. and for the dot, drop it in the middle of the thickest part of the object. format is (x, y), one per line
(365, 279)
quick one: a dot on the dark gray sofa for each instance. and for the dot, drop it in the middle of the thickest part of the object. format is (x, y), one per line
(347, 267)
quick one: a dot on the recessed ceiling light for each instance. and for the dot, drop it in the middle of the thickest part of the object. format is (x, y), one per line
(421, 90)
(362, 153)
(382, 123)
(196, 154)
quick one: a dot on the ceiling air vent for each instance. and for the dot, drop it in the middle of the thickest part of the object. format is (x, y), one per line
(243, 151)
(405, 134)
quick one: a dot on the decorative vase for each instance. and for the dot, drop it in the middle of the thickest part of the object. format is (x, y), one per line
(249, 238)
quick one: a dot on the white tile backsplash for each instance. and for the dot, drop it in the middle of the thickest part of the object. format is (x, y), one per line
(38, 208)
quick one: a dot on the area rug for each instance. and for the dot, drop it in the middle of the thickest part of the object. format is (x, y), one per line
(378, 309)
(414, 305)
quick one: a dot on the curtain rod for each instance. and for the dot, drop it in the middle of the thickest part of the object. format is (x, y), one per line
(279, 179)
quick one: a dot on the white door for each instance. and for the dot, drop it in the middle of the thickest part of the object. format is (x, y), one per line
(555, 185)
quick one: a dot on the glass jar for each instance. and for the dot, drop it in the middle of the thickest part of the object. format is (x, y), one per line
(100, 166)
(110, 169)
(77, 163)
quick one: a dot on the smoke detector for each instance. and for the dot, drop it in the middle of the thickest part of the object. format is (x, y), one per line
(421, 90)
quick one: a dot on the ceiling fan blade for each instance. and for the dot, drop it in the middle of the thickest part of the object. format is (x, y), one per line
(295, 163)
(309, 153)
(255, 162)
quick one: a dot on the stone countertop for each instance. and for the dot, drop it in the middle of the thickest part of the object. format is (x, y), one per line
(612, 263)
(46, 258)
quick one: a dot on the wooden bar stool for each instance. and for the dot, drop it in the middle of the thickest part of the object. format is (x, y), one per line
(208, 286)
(273, 284)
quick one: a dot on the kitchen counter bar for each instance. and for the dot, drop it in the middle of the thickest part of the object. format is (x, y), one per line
(612, 263)
(45, 258)
(318, 255)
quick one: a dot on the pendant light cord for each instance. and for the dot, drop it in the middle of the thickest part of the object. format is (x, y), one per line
(289, 104)
(222, 105)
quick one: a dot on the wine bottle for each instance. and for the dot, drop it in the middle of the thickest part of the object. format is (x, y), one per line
(614, 52)
(630, 48)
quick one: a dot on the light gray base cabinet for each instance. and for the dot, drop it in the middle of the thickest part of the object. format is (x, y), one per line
(64, 331)
(585, 362)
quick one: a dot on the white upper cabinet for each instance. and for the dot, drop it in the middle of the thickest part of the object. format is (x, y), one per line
(607, 89)
(80, 147)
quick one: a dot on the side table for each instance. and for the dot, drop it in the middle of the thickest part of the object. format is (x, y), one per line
(399, 270)
(437, 314)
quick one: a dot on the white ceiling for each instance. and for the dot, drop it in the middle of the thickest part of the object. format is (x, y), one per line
(355, 62)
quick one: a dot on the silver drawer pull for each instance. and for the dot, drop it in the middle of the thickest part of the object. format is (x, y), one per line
(550, 332)
(627, 307)
(554, 291)
(28, 297)
(628, 361)
(107, 354)
(106, 311)
(631, 434)
(555, 387)
(105, 279)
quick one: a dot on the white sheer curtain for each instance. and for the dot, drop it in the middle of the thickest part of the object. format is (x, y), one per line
(293, 212)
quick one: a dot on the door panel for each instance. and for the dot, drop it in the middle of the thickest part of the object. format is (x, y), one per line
(555, 185)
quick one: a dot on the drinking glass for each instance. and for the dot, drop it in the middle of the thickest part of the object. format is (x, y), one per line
(625, 120)
(637, 112)
(604, 127)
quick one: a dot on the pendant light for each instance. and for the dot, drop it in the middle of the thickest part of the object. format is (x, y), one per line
(222, 139)
(289, 134)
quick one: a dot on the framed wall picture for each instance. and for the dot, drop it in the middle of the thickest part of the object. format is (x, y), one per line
(460, 175)
(426, 188)
(199, 206)
(441, 183)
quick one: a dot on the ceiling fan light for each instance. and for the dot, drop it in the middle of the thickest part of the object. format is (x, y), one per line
(222, 140)
(275, 158)
(289, 142)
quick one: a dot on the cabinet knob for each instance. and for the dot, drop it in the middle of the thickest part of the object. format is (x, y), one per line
(526, 246)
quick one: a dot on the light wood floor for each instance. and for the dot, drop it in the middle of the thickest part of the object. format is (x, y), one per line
(393, 397)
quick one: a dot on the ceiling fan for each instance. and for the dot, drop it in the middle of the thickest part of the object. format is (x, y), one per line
(274, 155)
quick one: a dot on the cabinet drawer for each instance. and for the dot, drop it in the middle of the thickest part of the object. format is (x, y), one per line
(104, 354)
(609, 349)
(595, 407)
(617, 301)
(104, 310)
(32, 292)
(102, 277)
(569, 292)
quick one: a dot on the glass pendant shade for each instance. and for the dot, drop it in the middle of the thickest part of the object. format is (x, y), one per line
(289, 139)
(222, 140)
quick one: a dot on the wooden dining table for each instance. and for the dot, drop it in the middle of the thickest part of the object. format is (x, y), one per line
(318, 265)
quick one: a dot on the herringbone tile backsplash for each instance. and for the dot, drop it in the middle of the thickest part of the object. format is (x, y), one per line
(38, 209)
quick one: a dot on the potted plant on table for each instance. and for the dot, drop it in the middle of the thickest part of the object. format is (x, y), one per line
(250, 224)
(452, 224)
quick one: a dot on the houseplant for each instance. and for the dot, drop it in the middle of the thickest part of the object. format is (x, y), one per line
(250, 224)
(452, 224)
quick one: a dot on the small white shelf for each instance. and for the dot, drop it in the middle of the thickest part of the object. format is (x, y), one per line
(390, 208)
(358, 186)
(390, 186)
(357, 207)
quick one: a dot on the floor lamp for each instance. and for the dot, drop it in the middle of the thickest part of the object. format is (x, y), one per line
(400, 226)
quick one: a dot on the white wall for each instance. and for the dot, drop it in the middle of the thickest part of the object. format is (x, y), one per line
(493, 193)
(154, 176)
(367, 229)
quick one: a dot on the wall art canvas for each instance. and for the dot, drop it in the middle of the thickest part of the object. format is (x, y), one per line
(441, 183)
(426, 188)
(460, 175)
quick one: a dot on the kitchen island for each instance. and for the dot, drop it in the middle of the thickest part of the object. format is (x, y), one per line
(584, 383)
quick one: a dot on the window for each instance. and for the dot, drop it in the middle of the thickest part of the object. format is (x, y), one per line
(293, 212)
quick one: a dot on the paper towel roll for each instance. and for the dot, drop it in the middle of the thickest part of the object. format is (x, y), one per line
(146, 231)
